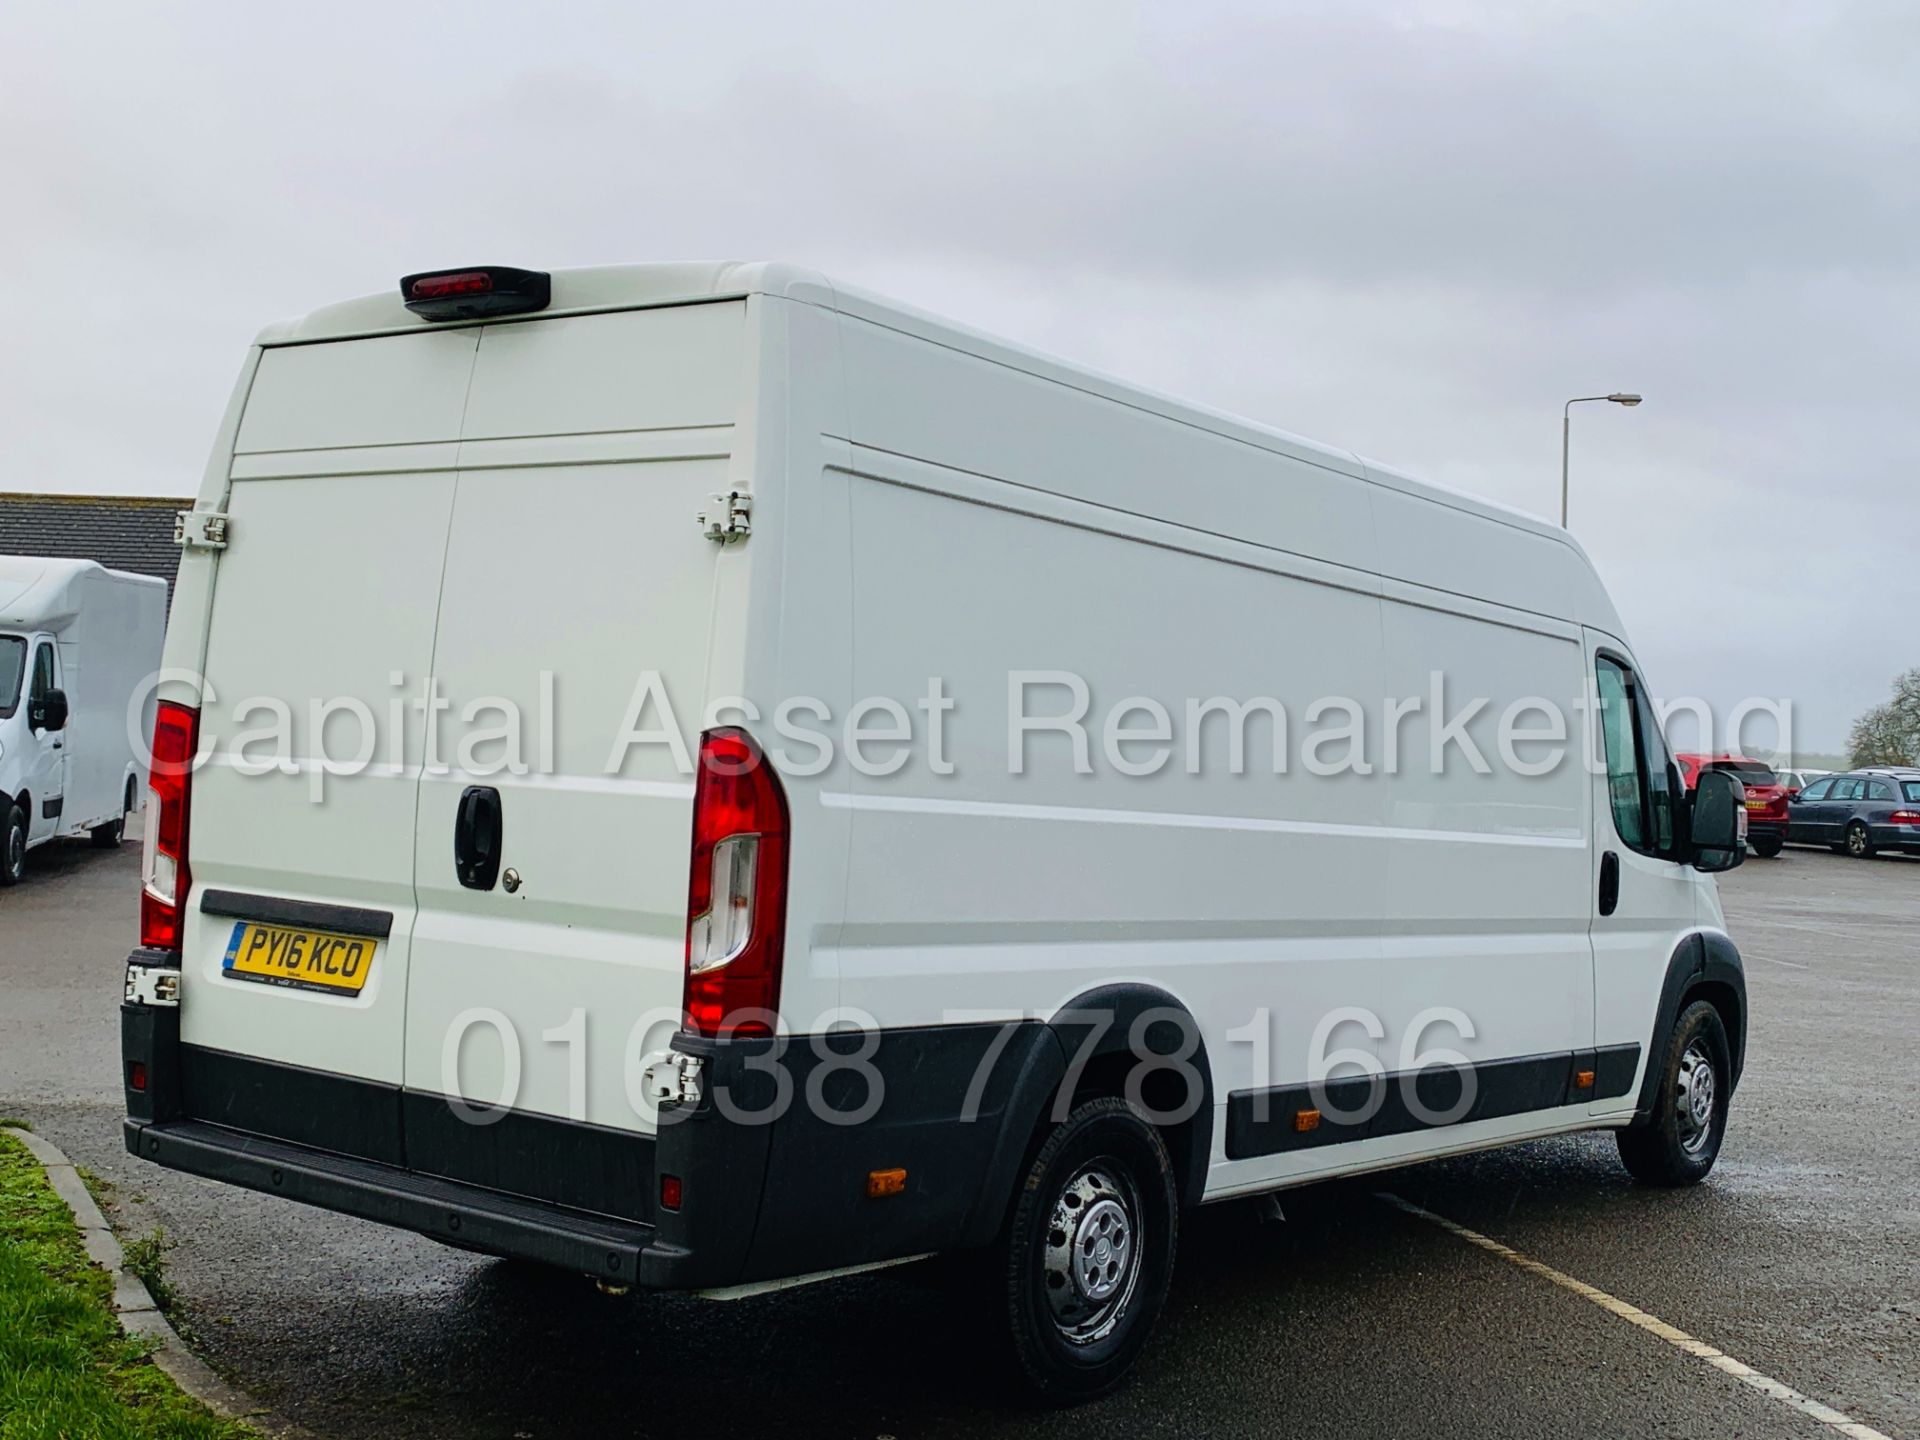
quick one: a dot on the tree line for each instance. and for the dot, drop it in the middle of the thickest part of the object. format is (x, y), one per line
(1889, 733)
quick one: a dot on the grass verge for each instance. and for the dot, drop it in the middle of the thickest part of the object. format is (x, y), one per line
(66, 1368)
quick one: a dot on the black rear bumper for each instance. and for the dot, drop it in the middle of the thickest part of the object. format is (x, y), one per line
(767, 1189)
(619, 1251)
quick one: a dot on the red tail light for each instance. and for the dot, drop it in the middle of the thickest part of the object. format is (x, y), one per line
(165, 881)
(737, 893)
(1904, 817)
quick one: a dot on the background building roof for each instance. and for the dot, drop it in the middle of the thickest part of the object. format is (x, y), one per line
(122, 532)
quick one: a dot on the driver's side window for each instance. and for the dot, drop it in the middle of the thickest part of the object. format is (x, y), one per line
(42, 671)
(1640, 777)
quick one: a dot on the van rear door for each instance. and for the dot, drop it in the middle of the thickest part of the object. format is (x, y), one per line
(321, 632)
(576, 582)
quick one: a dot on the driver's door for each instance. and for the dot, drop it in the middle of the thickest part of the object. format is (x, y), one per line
(1644, 899)
(46, 764)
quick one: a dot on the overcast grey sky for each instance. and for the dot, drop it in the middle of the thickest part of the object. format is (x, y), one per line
(1408, 229)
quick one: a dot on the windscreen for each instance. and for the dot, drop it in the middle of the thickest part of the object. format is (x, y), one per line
(1751, 772)
(13, 670)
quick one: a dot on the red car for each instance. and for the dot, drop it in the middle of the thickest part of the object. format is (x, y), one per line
(1766, 796)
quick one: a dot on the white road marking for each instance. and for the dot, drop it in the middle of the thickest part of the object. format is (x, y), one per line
(1652, 1324)
(1850, 932)
(1773, 960)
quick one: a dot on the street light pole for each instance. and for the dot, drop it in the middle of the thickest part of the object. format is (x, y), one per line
(1566, 436)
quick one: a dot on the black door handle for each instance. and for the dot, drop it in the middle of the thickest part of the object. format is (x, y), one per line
(476, 837)
(1609, 882)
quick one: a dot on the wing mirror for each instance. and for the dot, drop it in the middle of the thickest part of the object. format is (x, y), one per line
(1718, 823)
(49, 712)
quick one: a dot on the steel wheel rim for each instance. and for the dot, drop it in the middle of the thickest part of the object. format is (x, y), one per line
(1091, 1253)
(1696, 1092)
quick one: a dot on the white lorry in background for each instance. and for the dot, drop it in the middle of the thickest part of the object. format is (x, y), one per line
(77, 641)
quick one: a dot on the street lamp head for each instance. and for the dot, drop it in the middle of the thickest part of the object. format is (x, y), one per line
(1621, 399)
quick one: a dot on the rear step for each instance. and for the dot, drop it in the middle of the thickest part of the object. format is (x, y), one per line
(447, 1210)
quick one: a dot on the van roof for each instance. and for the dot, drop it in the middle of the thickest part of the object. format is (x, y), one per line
(629, 287)
(577, 291)
(39, 592)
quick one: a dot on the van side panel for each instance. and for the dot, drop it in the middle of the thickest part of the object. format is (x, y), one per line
(1213, 884)
(1028, 524)
(1486, 904)
(981, 549)
(915, 398)
(109, 653)
(1468, 552)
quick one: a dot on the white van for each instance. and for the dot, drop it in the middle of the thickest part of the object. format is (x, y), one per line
(79, 645)
(709, 778)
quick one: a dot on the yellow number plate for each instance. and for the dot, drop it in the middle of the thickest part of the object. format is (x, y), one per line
(1756, 804)
(301, 959)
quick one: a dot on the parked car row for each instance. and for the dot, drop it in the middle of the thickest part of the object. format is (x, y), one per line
(1860, 813)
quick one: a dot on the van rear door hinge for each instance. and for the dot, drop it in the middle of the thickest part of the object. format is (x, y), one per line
(672, 1079)
(152, 985)
(200, 530)
(729, 517)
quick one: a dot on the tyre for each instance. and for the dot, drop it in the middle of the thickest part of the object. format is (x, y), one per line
(13, 846)
(1858, 844)
(1767, 846)
(1088, 1251)
(1679, 1142)
(109, 836)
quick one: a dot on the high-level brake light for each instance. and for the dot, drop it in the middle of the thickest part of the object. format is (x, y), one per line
(476, 292)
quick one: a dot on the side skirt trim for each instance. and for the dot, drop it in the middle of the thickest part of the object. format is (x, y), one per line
(1286, 1118)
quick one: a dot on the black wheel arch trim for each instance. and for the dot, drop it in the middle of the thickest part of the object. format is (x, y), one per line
(1042, 1066)
(1125, 1004)
(1705, 959)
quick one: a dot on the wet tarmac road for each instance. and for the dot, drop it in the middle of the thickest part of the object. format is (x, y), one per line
(1800, 1256)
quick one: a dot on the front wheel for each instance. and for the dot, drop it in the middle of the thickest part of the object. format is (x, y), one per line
(1089, 1251)
(1679, 1142)
(1767, 846)
(13, 845)
(1858, 844)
